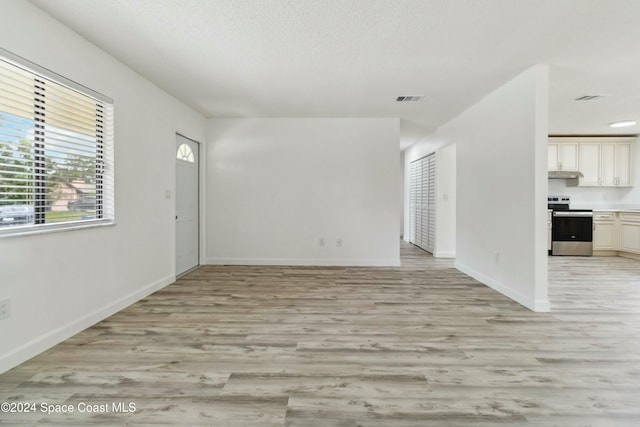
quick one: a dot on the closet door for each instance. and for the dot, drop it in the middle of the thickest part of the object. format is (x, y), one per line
(424, 237)
(431, 203)
(412, 202)
(422, 202)
(418, 236)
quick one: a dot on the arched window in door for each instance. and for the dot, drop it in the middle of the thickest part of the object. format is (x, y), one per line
(185, 153)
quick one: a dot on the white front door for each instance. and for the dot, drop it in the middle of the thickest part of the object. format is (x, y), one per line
(187, 218)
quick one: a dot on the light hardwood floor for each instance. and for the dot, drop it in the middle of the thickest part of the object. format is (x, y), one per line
(418, 345)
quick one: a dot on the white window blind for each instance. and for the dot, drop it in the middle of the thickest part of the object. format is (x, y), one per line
(56, 150)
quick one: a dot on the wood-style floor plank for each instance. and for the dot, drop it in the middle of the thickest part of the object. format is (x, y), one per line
(419, 345)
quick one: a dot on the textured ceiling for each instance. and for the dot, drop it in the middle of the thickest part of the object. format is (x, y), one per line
(351, 58)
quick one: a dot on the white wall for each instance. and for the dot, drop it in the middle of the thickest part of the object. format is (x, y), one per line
(278, 186)
(491, 165)
(61, 283)
(502, 187)
(603, 197)
(446, 202)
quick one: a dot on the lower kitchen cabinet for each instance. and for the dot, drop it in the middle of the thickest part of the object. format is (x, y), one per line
(605, 231)
(630, 232)
(615, 233)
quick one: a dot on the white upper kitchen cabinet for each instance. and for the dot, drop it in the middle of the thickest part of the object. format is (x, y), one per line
(562, 156)
(623, 164)
(605, 162)
(615, 164)
(589, 160)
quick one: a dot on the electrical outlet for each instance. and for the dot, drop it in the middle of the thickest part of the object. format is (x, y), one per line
(4, 308)
(338, 242)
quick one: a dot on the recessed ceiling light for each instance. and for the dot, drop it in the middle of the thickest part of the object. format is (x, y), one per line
(622, 124)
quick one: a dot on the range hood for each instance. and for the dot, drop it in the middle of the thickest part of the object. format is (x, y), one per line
(565, 174)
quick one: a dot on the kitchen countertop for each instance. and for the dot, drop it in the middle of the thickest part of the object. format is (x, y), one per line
(632, 210)
(623, 208)
(616, 210)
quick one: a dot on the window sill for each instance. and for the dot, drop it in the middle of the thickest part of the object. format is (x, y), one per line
(53, 228)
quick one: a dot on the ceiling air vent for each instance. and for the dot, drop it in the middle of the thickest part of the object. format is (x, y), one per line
(589, 97)
(409, 98)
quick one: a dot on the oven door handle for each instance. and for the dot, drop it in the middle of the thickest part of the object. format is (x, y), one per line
(573, 214)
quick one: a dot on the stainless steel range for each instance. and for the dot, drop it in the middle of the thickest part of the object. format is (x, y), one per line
(571, 229)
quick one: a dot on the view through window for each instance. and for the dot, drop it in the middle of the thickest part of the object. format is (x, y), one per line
(55, 152)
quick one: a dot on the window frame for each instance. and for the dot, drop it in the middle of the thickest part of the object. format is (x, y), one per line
(104, 156)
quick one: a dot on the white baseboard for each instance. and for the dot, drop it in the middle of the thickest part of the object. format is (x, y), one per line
(629, 255)
(444, 254)
(542, 306)
(306, 262)
(531, 304)
(56, 336)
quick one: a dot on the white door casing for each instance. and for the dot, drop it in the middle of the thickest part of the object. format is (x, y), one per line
(187, 206)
